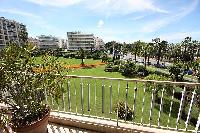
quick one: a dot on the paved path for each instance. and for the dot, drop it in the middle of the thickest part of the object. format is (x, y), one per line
(55, 128)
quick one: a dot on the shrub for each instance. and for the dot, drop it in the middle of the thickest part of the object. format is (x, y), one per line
(159, 87)
(104, 58)
(141, 70)
(128, 69)
(109, 59)
(108, 67)
(89, 56)
(115, 68)
(177, 72)
(117, 62)
(96, 55)
(121, 108)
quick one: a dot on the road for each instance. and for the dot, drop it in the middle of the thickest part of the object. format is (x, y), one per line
(153, 61)
(141, 59)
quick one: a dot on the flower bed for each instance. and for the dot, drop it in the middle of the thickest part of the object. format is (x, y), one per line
(85, 65)
(74, 66)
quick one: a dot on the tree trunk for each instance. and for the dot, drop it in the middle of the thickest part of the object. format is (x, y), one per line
(158, 60)
(148, 60)
(135, 57)
(82, 63)
(145, 61)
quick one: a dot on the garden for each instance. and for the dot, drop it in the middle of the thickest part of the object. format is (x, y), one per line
(27, 79)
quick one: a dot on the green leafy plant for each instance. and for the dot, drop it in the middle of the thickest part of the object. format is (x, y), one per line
(159, 87)
(128, 69)
(121, 108)
(176, 71)
(4, 118)
(24, 84)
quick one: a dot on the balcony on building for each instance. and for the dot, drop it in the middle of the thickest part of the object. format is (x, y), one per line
(101, 104)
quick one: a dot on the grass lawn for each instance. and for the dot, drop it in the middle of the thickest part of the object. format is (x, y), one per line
(94, 107)
(67, 61)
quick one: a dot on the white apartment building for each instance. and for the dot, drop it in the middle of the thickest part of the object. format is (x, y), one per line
(99, 43)
(77, 40)
(48, 42)
(33, 41)
(63, 43)
(10, 31)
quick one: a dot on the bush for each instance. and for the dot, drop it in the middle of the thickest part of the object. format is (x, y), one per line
(120, 107)
(177, 71)
(89, 56)
(159, 87)
(109, 59)
(117, 62)
(96, 55)
(128, 69)
(141, 70)
(115, 68)
(110, 67)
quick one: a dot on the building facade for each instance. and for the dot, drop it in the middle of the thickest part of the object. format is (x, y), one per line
(48, 42)
(77, 40)
(99, 43)
(11, 30)
(33, 41)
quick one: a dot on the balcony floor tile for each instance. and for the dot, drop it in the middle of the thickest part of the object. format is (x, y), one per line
(56, 128)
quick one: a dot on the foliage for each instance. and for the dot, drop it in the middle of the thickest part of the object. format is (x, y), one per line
(97, 55)
(160, 48)
(158, 87)
(121, 109)
(104, 58)
(136, 48)
(128, 69)
(110, 67)
(23, 88)
(176, 71)
(82, 54)
(113, 45)
(4, 118)
(141, 70)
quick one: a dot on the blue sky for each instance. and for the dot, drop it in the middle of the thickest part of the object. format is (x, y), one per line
(120, 20)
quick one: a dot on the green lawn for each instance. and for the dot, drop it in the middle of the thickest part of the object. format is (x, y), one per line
(96, 109)
(67, 61)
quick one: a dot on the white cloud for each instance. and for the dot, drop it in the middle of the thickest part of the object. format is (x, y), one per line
(162, 22)
(100, 23)
(110, 7)
(178, 36)
(18, 12)
(35, 20)
(56, 3)
(137, 18)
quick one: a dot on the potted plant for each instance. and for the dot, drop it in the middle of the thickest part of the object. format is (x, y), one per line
(25, 85)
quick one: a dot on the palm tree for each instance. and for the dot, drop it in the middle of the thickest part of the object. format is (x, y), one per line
(82, 55)
(151, 51)
(160, 47)
(145, 52)
(136, 48)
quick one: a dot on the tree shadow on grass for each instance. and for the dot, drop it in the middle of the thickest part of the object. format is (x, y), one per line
(175, 110)
(166, 107)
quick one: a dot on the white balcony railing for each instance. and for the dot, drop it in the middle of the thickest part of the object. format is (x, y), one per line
(146, 102)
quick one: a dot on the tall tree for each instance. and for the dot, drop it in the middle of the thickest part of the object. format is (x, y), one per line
(160, 47)
(145, 52)
(136, 48)
(82, 55)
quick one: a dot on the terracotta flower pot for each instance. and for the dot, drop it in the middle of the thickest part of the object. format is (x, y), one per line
(37, 127)
(6, 130)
